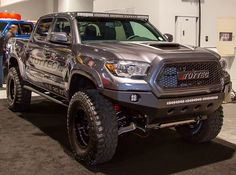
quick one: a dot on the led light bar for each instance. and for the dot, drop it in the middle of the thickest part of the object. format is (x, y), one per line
(112, 15)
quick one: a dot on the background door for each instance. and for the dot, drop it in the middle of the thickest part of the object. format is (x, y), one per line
(186, 30)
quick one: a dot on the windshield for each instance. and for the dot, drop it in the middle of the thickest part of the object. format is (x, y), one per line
(100, 29)
(2, 26)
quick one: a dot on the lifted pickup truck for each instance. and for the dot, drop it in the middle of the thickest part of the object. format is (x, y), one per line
(117, 73)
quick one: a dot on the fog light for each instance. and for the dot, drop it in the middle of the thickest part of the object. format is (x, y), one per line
(134, 98)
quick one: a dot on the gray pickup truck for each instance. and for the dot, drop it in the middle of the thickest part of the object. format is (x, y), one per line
(117, 73)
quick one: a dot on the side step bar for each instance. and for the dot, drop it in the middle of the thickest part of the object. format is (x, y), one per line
(45, 96)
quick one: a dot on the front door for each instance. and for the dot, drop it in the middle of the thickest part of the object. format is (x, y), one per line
(59, 56)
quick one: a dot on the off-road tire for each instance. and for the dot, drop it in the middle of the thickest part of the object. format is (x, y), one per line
(103, 127)
(18, 98)
(208, 129)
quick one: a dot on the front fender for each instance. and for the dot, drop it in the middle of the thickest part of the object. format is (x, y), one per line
(87, 72)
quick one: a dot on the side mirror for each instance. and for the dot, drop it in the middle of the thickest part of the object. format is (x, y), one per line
(169, 37)
(59, 37)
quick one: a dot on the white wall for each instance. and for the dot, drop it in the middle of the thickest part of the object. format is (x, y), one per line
(75, 5)
(211, 10)
(169, 9)
(30, 10)
(33, 9)
(147, 7)
(8, 2)
(162, 13)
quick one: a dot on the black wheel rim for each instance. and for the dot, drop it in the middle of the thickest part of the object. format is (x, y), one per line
(11, 90)
(81, 128)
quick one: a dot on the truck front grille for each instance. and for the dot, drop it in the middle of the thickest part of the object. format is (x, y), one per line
(168, 78)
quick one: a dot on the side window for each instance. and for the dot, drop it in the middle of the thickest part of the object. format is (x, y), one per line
(43, 29)
(62, 25)
(26, 29)
(18, 32)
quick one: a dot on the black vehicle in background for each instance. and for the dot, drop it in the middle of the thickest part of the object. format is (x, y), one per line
(117, 73)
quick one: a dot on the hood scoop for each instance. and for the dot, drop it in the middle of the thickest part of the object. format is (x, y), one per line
(169, 46)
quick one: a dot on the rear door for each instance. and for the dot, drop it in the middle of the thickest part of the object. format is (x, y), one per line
(36, 58)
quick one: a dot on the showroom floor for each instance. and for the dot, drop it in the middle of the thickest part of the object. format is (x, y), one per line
(35, 142)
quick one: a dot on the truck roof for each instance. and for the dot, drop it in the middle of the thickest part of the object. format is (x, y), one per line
(13, 20)
(103, 15)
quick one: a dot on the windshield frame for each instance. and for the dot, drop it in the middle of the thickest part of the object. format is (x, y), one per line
(143, 22)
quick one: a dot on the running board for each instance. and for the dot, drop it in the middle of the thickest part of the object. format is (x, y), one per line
(45, 96)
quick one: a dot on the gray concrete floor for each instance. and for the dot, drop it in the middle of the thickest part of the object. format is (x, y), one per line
(35, 142)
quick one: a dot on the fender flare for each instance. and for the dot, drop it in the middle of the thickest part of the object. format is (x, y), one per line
(91, 75)
(19, 62)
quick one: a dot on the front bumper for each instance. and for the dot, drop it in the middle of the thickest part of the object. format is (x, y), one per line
(169, 109)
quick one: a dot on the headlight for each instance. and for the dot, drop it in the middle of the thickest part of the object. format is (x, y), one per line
(128, 69)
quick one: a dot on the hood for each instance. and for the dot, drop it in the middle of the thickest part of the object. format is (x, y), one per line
(148, 51)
